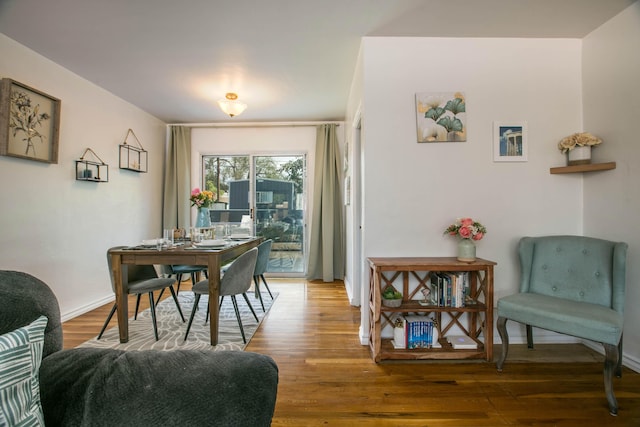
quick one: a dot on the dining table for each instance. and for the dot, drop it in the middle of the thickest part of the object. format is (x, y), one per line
(182, 253)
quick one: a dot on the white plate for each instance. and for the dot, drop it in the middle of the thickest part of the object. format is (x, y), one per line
(151, 242)
(211, 244)
(240, 237)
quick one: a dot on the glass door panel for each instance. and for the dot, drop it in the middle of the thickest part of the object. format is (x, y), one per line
(279, 201)
(271, 194)
(228, 178)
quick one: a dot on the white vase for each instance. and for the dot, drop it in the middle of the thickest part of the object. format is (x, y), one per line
(580, 155)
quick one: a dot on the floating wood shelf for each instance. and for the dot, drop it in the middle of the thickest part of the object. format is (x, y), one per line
(592, 167)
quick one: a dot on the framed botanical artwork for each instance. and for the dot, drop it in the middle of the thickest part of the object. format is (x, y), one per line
(510, 142)
(441, 117)
(29, 122)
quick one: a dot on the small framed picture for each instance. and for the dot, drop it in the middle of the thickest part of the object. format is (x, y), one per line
(29, 123)
(510, 142)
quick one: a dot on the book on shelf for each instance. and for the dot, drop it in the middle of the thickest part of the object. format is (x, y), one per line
(449, 289)
(420, 332)
(462, 342)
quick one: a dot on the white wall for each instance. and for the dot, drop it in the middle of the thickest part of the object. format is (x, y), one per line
(610, 70)
(55, 227)
(413, 191)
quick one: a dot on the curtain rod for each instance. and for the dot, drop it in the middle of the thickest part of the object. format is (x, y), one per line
(255, 124)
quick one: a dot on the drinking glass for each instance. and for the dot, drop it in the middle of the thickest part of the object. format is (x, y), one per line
(167, 237)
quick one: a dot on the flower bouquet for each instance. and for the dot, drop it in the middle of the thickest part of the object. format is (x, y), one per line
(466, 228)
(583, 139)
(201, 199)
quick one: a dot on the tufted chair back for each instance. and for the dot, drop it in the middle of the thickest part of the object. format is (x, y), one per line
(576, 268)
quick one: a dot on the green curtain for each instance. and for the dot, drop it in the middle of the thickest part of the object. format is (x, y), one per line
(177, 179)
(327, 240)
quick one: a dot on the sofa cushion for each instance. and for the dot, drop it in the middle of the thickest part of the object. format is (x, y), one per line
(20, 358)
(97, 387)
(579, 319)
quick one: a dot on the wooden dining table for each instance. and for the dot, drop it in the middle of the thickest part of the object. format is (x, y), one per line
(186, 254)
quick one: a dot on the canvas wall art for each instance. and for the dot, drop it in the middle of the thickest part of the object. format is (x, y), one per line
(441, 117)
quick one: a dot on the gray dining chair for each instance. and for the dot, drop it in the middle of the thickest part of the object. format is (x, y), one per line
(235, 281)
(179, 271)
(142, 279)
(264, 251)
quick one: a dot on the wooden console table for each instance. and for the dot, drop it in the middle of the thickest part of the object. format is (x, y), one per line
(409, 276)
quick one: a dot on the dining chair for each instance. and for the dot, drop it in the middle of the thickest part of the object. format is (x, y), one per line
(179, 271)
(235, 281)
(141, 279)
(264, 251)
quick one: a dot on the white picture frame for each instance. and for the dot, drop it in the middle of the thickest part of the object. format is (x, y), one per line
(510, 141)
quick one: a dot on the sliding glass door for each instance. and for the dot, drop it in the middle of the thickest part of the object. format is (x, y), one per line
(269, 191)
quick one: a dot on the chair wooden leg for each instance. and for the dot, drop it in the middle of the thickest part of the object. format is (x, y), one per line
(610, 363)
(193, 313)
(258, 293)
(266, 286)
(235, 307)
(502, 330)
(113, 310)
(152, 305)
(619, 364)
(529, 336)
(175, 298)
(246, 298)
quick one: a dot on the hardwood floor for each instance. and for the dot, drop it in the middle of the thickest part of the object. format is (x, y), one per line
(327, 378)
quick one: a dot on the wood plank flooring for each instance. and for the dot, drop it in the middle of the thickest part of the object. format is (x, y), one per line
(327, 378)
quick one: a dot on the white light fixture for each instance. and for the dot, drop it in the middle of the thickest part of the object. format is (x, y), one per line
(231, 105)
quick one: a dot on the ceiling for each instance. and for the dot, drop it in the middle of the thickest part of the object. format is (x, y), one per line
(289, 60)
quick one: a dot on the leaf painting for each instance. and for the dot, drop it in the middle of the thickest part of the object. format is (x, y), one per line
(441, 117)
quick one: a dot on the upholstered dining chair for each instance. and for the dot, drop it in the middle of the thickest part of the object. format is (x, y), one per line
(264, 251)
(179, 271)
(235, 281)
(142, 279)
(572, 285)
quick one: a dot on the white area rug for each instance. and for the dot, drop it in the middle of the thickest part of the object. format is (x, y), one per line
(171, 329)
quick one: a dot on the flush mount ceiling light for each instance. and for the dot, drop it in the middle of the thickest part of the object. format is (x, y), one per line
(231, 105)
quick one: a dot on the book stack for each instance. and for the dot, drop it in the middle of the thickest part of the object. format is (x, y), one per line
(449, 289)
(413, 331)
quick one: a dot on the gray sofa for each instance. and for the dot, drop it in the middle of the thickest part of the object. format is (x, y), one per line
(97, 387)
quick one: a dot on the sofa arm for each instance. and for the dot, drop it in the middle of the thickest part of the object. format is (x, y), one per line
(96, 387)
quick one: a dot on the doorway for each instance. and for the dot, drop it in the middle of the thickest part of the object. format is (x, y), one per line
(268, 190)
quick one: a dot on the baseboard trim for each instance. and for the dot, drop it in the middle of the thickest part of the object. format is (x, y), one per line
(86, 308)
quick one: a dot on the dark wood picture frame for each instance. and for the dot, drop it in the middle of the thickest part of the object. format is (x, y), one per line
(29, 122)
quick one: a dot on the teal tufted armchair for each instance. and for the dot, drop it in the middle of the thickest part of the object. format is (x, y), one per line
(572, 285)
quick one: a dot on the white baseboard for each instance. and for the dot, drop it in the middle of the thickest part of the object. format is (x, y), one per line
(86, 308)
(628, 361)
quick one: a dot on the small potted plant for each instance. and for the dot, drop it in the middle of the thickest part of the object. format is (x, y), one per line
(391, 297)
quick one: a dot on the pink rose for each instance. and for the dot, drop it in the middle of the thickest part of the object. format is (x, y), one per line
(465, 232)
(466, 222)
(195, 191)
(479, 235)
